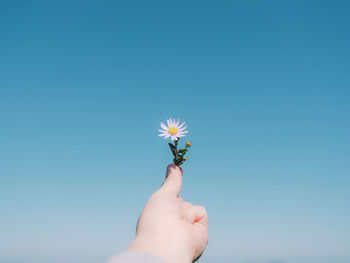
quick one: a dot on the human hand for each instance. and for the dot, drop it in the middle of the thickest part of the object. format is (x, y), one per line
(174, 230)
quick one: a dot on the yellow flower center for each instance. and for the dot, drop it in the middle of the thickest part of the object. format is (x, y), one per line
(173, 130)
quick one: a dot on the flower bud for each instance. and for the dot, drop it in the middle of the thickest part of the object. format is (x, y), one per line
(188, 144)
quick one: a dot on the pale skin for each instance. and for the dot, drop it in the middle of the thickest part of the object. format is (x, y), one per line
(170, 228)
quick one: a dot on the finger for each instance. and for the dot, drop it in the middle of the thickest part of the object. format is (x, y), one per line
(203, 219)
(173, 180)
(196, 214)
(186, 205)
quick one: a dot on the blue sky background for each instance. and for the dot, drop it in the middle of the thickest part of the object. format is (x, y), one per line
(263, 85)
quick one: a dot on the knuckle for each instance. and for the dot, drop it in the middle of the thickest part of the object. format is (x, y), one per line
(202, 209)
(187, 204)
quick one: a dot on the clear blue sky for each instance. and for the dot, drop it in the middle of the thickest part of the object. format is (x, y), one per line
(263, 85)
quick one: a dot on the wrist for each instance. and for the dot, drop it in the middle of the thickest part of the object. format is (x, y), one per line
(169, 250)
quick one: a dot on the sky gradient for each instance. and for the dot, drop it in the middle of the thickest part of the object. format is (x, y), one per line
(263, 85)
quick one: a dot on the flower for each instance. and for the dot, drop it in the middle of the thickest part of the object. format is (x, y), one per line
(188, 144)
(173, 130)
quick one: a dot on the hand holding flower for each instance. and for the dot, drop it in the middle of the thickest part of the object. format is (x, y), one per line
(174, 230)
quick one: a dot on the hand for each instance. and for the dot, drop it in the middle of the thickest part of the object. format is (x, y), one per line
(174, 230)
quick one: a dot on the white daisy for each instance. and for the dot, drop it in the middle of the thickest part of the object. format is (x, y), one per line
(173, 130)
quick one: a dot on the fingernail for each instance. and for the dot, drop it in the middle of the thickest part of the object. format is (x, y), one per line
(172, 167)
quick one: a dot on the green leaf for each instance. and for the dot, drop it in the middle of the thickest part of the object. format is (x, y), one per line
(178, 160)
(173, 149)
(183, 150)
(172, 146)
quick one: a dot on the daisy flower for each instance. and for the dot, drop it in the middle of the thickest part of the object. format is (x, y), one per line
(174, 130)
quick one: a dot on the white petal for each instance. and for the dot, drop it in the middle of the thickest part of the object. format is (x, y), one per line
(168, 121)
(183, 132)
(183, 128)
(182, 124)
(163, 126)
(180, 135)
(167, 136)
(162, 131)
(161, 135)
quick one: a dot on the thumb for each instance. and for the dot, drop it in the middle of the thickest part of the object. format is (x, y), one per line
(173, 180)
